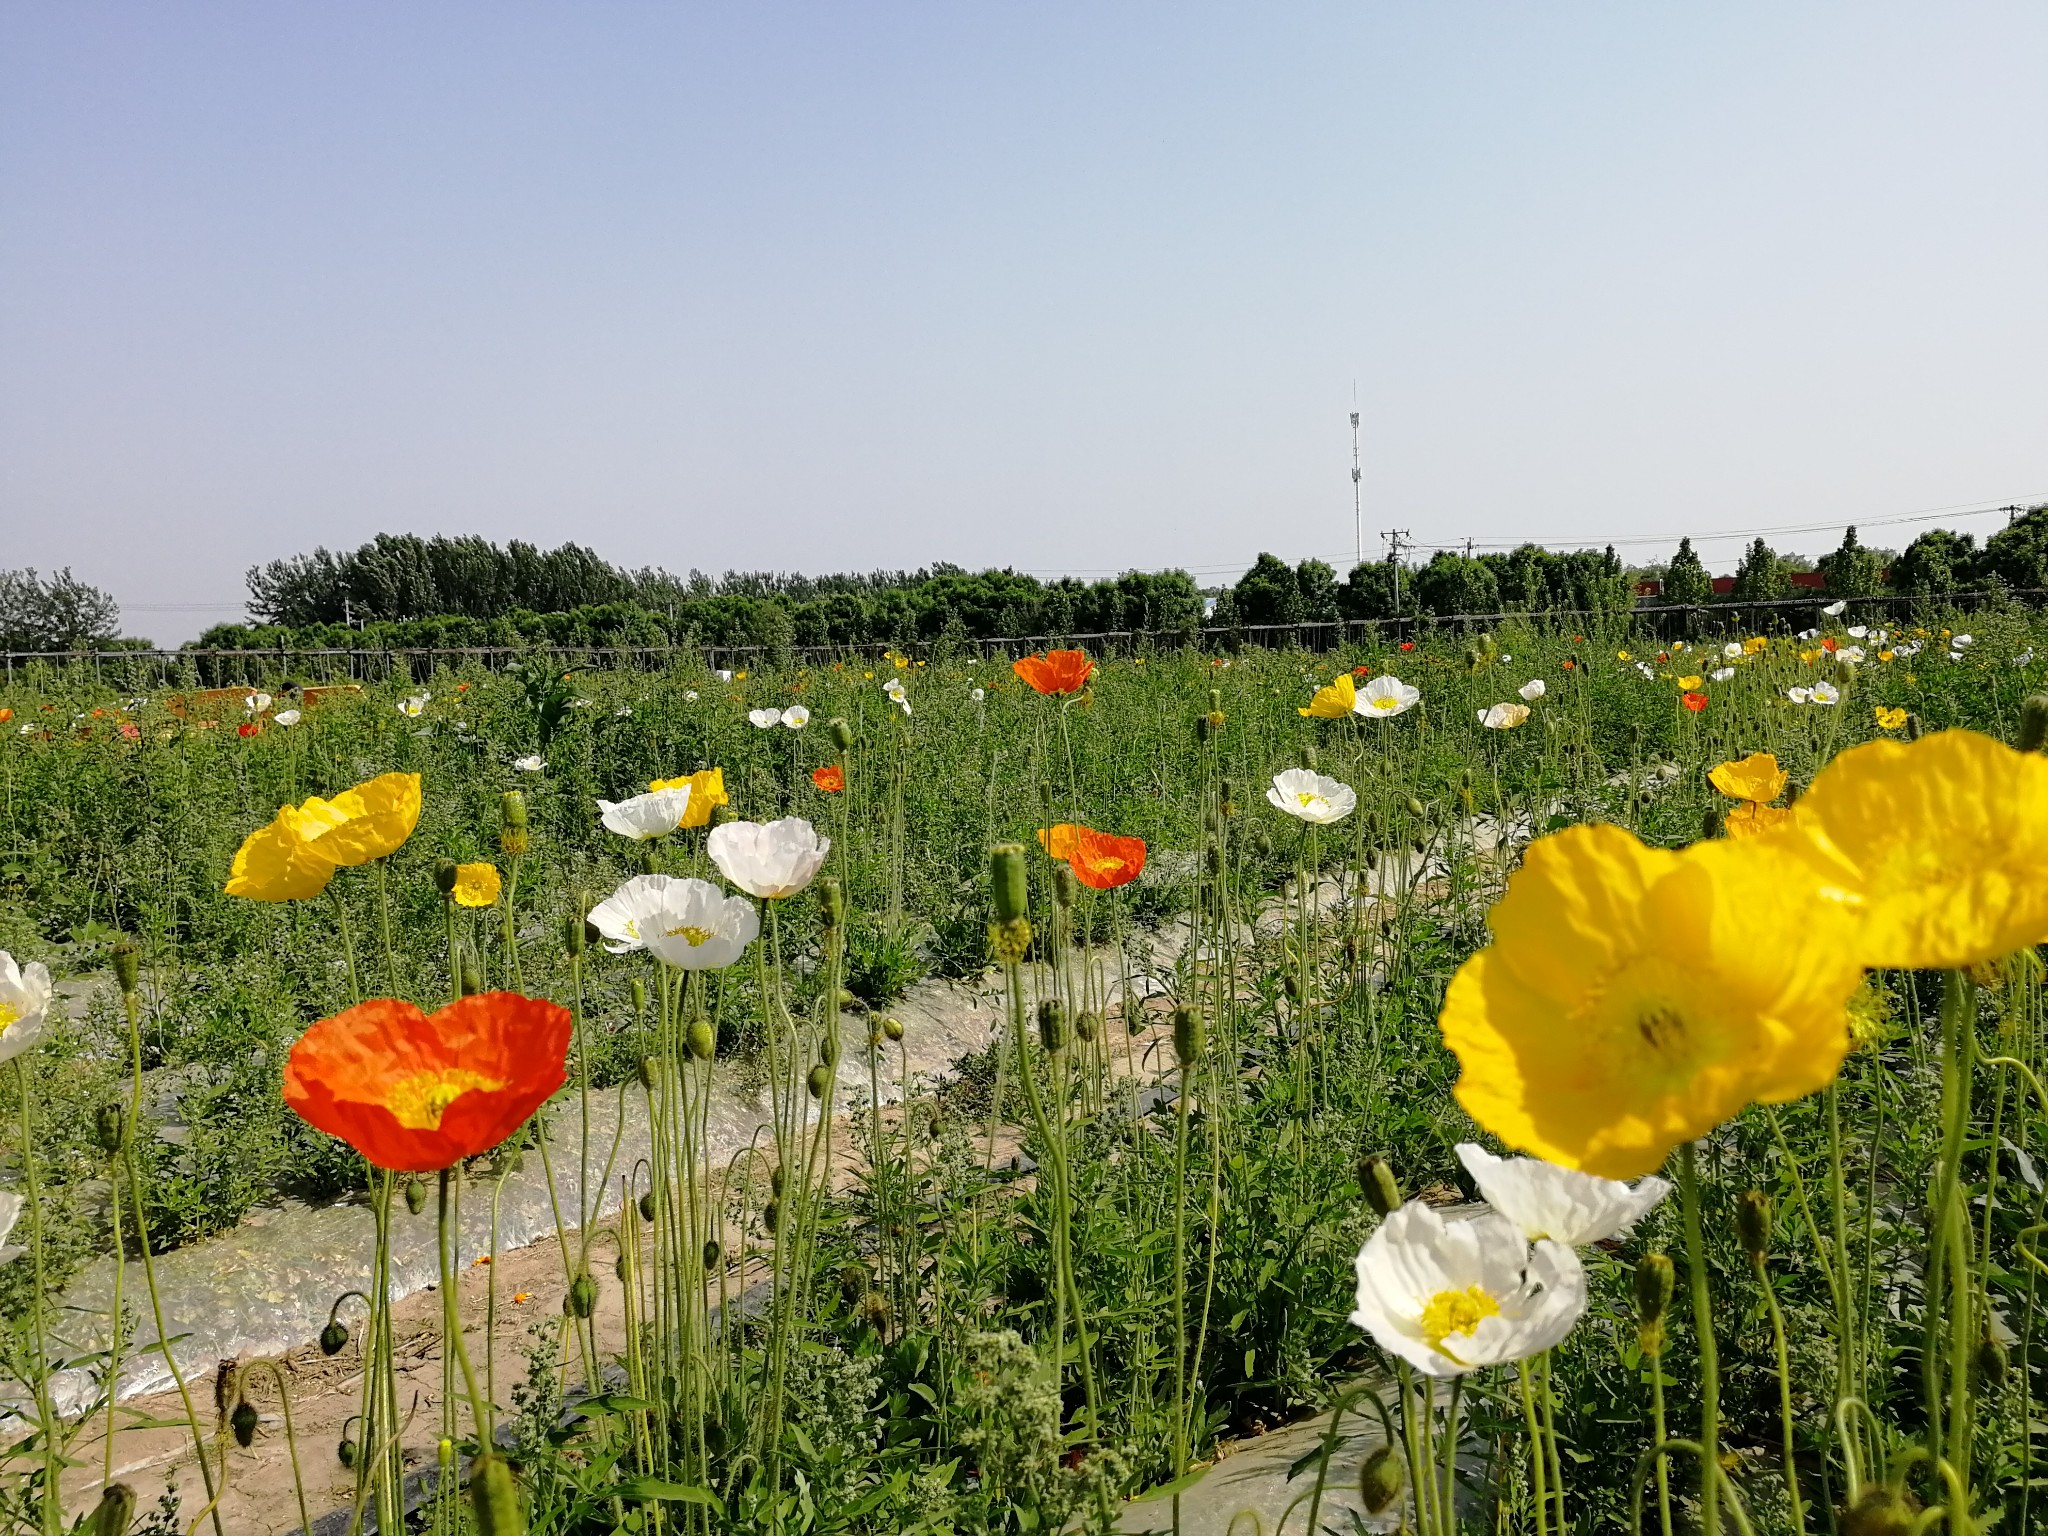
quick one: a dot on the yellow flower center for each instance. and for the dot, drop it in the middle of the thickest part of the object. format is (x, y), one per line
(1450, 1312)
(418, 1102)
(1383, 704)
(692, 936)
(1308, 800)
(9, 1014)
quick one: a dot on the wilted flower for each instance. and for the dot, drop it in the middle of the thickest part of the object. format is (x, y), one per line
(1451, 1297)
(1311, 796)
(1533, 690)
(1545, 1200)
(1386, 696)
(24, 1004)
(1835, 609)
(1503, 717)
(778, 858)
(654, 814)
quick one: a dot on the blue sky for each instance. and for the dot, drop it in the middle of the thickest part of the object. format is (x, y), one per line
(1064, 287)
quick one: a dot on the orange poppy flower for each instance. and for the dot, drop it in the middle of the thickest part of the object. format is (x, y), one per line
(247, 728)
(831, 778)
(1058, 842)
(1693, 701)
(1103, 861)
(1407, 645)
(416, 1093)
(1055, 671)
(6, 715)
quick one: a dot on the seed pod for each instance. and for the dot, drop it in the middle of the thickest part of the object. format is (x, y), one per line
(840, 732)
(415, 1196)
(771, 1216)
(1381, 1480)
(243, 1422)
(512, 822)
(646, 1205)
(127, 972)
(573, 936)
(1052, 1025)
(334, 1337)
(1009, 885)
(818, 1080)
(115, 1510)
(1088, 1026)
(700, 1039)
(582, 1298)
(445, 876)
(472, 974)
(345, 1453)
(1382, 1190)
(1063, 884)
(110, 1127)
(1753, 1223)
(2033, 732)
(1655, 1279)
(892, 1029)
(1190, 1034)
(712, 1253)
(831, 901)
(494, 1493)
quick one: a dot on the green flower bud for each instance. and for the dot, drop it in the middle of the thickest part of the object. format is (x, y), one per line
(2033, 732)
(1914, 729)
(700, 1039)
(573, 935)
(1753, 1223)
(1382, 1191)
(873, 1309)
(110, 1127)
(472, 974)
(1009, 886)
(445, 875)
(1088, 1026)
(512, 822)
(1190, 1034)
(494, 1494)
(1052, 1024)
(243, 1422)
(113, 1513)
(1881, 1511)
(619, 1268)
(1710, 823)
(712, 1253)
(639, 995)
(1416, 808)
(1382, 1480)
(1988, 1362)
(831, 901)
(771, 1216)
(415, 1196)
(582, 1298)
(1063, 884)
(775, 1180)
(840, 732)
(345, 1453)
(649, 1071)
(1655, 1279)
(818, 1080)
(892, 1029)
(334, 1337)
(128, 972)
(715, 1439)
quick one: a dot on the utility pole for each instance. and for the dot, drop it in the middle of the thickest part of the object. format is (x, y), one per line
(1357, 501)
(1394, 536)
(1468, 549)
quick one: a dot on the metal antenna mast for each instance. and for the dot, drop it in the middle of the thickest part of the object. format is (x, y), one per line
(1357, 501)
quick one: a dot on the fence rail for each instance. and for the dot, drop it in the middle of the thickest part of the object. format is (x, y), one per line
(370, 663)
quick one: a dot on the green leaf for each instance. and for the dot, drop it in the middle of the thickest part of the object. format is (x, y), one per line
(647, 1489)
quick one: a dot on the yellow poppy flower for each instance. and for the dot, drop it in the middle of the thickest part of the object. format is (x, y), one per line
(275, 863)
(1621, 655)
(1935, 846)
(1756, 777)
(476, 885)
(1810, 657)
(1689, 684)
(707, 793)
(1754, 819)
(1335, 701)
(1754, 644)
(1890, 719)
(371, 821)
(1635, 998)
(1886, 655)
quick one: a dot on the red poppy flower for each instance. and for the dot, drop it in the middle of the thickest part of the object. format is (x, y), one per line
(1407, 645)
(1569, 663)
(1055, 671)
(1693, 701)
(247, 728)
(831, 778)
(1361, 671)
(131, 731)
(416, 1093)
(1103, 861)
(1829, 644)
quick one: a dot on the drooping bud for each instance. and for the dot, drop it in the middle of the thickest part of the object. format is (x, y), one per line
(1009, 884)
(1063, 884)
(818, 1080)
(243, 1422)
(1382, 1480)
(1416, 808)
(494, 1494)
(334, 1337)
(840, 732)
(831, 901)
(1988, 1361)
(775, 1180)
(110, 1127)
(1655, 1279)
(345, 1452)
(1882, 1511)
(1753, 1224)
(700, 1039)
(582, 1298)
(472, 973)
(873, 1309)
(115, 1510)
(771, 1216)
(620, 1269)
(512, 822)
(227, 1388)
(649, 1071)
(572, 933)
(2033, 732)
(1088, 1026)
(1190, 1034)
(1710, 823)
(445, 876)
(415, 1196)
(712, 1253)
(646, 1204)
(128, 973)
(1052, 1024)
(828, 1050)
(1382, 1190)
(892, 1029)
(1914, 729)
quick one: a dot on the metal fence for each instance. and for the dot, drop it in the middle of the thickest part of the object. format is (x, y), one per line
(221, 667)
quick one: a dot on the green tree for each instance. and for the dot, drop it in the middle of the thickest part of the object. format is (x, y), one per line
(1936, 564)
(1317, 584)
(1369, 592)
(1268, 593)
(2018, 554)
(56, 613)
(1452, 584)
(1852, 570)
(1686, 581)
(1760, 577)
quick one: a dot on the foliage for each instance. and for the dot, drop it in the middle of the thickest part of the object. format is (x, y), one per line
(54, 613)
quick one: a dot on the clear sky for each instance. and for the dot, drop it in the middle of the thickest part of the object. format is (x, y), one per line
(1069, 287)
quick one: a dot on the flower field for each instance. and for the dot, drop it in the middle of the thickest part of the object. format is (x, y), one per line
(1606, 1064)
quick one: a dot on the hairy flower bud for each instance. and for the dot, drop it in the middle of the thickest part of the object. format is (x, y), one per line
(472, 981)
(1382, 1190)
(512, 822)
(1052, 1024)
(2033, 732)
(1710, 823)
(1009, 887)
(649, 1071)
(113, 1513)
(646, 1206)
(1382, 1480)
(110, 1127)
(1190, 1034)
(1655, 1279)
(445, 876)
(892, 1029)
(1088, 1026)
(494, 1494)
(831, 901)
(128, 973)
(1063, 884)
(1416, 808)
(1914, 729)
(334, 1337)
(712, 1253)
(573, 936)
(243, 1422)
(415, 1196)
(700, 1039)
(840, 732)
(1753, 1224)
(582, 1298)
(1988, 1361)
(227, 1388)
(1881, 1511)
(818, 1080)
(771, 1216)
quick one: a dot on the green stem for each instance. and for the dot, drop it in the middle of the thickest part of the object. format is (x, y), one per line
(1703, 1324)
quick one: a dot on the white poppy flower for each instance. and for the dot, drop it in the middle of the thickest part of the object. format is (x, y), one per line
(689, 695)
(1962, 642)
(1850, 653)
(624, 711)
(625, 916)
(904, 705)
(256, 703)
(697, 927)
(1312, 797)
(894, 688)
(654, 814)
(764, 718)
(24, 1004)
(1732, 649)
(2024, 659)
(10, 1212)
(977, 695)
(1809, 634)
(531, 763)
(1858, 631)
(1799, 695)
(1382, 697)
(1450, 1297)
(1911, 648)
(414, 706)
(286, 718)
(1647, 670)
(724, 675)
(778, 858)
(796, 717)
(1836, 609)
(1533, 690)
(1503, 717)
(1721, 674)
(1826, 693)
(1877, 636)
(1544, 1200)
